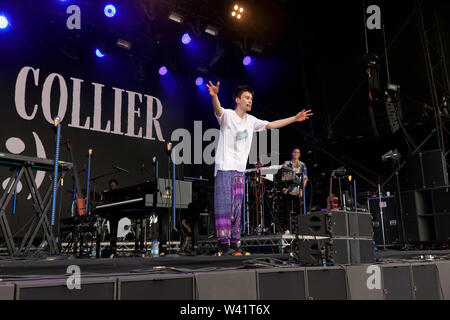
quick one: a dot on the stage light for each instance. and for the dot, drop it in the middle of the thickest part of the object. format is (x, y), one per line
(212, 30)
(237, 12)
(99, 54)
(4, 23)
(247, 61)
(124, 44)
(394, 155)
(176, 16)
(199, 81)
(163, 71)
(110, 10)
(186, 39)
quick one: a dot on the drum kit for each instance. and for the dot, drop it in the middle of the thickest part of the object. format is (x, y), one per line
(264, 191)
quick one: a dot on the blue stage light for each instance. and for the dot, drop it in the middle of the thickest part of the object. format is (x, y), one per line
(163, 70)
(186, 39)
(247, 61)
(4, 23)
(110, 11)
(99, 54)
(199, 81)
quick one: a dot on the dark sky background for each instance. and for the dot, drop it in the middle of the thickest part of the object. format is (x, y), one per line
(313, 57)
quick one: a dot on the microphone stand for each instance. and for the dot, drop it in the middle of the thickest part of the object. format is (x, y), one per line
(400, 203)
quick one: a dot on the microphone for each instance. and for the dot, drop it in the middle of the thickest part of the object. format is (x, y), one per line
(120, 169)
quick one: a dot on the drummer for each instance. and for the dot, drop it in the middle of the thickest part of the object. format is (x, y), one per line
(292, 171)
(291, 174)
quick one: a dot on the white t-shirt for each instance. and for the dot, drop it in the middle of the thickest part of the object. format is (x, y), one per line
(235, 140)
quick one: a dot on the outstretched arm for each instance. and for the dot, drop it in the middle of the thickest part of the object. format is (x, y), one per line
(301, 116)
(213, 91)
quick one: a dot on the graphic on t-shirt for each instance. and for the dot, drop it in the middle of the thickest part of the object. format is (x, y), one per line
(241, 135)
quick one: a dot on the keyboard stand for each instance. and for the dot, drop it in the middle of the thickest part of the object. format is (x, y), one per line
(40, 217)
(4, 201)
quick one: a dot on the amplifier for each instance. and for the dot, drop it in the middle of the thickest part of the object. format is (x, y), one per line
(336, 224)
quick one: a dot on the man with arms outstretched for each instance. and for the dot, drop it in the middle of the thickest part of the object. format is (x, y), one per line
(235, 140)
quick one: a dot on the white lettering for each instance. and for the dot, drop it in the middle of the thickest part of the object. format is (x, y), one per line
(20, 92)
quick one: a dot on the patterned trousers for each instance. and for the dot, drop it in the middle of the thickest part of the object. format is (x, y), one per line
(228, 195)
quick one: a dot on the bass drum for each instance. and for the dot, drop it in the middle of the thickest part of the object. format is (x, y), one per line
(124, 228)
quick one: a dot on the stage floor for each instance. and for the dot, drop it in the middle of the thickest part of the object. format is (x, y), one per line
(397, 275)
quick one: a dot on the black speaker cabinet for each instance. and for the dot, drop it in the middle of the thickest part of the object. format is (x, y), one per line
(6, 291)
(312, 252)
(336, 224)
(156, 287)
(426, 282)
(351, 251)
(390, 218)
(335, 251)
(419, 228)
(281, 284)
(426, 170)
(417, 203)
(397, 282)
(326, 283)
(91, 289)
(442, 227)
(226, 285)
(441, 200)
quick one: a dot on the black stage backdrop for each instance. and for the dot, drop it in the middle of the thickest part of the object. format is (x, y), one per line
(313, 56)
(102, 107)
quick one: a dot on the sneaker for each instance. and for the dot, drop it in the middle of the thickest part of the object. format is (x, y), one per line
(239, 251)
(228, 251)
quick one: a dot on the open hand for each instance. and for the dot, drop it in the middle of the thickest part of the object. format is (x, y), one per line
(213, 90)
(304, 115)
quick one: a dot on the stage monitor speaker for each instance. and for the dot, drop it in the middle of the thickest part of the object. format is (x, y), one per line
(426, 170)
(313, 224)
(312, 252)
(336, 224)
(396, 282)
(91, 289)
(226, 285)
(390, 219)
(351, 251)
(426, 282)
(281, 284)
(335, 251)
(326, 283)
(156, 287)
